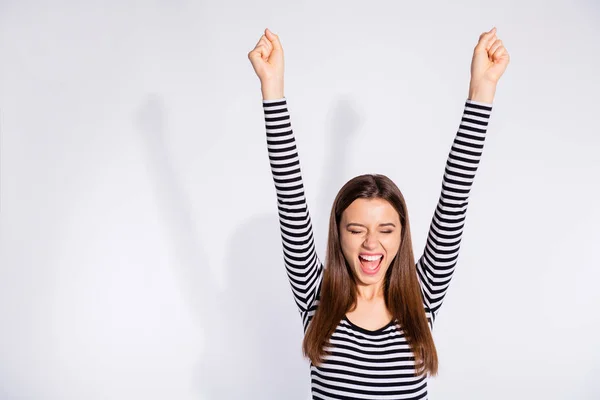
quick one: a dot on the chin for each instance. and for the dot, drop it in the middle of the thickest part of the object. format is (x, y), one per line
(371, 276)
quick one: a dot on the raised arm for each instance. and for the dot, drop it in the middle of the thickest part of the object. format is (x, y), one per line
(436, 266)
(303, 267)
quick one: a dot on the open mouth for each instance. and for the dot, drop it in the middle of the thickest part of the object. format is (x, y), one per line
(370, 264)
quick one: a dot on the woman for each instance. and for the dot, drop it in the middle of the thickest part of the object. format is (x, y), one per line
(368, 313)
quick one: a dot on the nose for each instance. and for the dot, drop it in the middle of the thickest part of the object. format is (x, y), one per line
(370, 241)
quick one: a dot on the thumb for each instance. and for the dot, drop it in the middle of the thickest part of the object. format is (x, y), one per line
(274, 39)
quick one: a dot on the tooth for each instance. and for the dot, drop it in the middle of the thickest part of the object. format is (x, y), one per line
(371, 258)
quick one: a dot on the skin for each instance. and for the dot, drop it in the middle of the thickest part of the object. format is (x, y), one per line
(490, 60)
(370, 226)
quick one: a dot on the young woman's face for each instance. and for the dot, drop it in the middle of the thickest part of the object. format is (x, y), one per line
(370, 237)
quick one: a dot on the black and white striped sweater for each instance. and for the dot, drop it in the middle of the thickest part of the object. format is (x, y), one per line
(367, 364)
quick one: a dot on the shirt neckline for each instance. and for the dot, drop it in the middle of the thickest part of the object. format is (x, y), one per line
(368, 331)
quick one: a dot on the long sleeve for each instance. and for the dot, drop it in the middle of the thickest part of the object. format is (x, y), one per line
(436, 266)
(302, 264)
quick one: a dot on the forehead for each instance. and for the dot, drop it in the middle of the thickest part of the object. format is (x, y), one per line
(370, 210)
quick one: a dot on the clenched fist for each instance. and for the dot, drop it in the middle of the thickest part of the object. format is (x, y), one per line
(490, 59)
(267, 61)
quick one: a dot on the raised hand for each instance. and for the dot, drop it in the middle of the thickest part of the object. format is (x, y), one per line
(490, 59)
(267, 61)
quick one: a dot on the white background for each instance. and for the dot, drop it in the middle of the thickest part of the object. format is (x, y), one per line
(140, 254)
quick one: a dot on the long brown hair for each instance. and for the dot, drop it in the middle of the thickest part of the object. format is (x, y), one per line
(402, 291)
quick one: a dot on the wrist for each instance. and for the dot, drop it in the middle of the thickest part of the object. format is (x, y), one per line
(272, 90)
(482, 92)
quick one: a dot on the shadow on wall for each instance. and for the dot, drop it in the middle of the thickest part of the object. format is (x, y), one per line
(343, 123)
(252, 341)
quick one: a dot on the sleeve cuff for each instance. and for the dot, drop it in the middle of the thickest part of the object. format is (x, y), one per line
(270, 101)
(480, 103)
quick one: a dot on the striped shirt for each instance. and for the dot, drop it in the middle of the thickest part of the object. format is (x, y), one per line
(366, 364)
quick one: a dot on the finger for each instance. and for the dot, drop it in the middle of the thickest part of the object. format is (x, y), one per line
(260, 51)
(255, 55)
(259, 40)
(256, 60)
(274, 39)
(267, 43)
(263, 47)
(498, 43)
(264, 51)
(491, 42)
(485, 38)
(499, 53)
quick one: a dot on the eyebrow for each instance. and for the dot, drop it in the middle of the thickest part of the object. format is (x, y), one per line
(361, 225)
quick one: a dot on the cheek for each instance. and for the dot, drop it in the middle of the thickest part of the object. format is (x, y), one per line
(392, 244)
(350, 245)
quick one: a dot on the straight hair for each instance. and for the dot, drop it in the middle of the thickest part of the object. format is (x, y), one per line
(402, 290)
